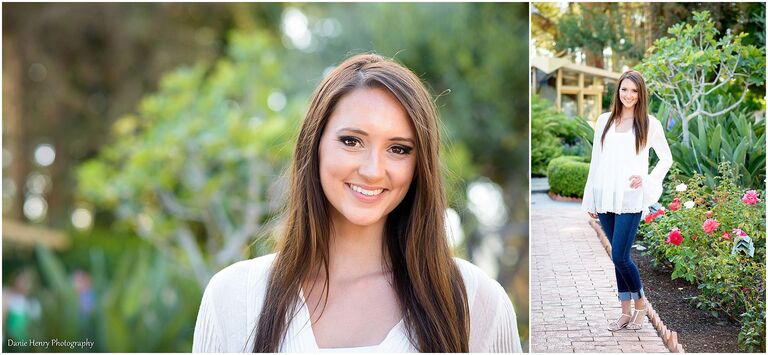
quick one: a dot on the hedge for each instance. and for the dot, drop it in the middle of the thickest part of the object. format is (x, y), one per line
(567, 176)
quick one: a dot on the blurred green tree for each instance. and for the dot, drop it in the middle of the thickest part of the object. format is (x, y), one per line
(196, 170)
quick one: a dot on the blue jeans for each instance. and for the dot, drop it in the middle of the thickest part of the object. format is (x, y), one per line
(621, 230)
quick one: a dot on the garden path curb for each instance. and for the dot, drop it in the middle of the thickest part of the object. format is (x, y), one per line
(669, 337)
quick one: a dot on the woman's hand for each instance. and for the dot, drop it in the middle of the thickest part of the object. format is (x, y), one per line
(593, 215)
(635, 181)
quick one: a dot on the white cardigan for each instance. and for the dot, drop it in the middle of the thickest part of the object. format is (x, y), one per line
(234, 297)
(608, 186)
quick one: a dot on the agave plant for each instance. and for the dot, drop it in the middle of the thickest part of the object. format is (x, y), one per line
(736, 137)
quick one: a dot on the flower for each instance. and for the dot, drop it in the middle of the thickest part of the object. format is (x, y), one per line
(689, 204)
(710, 225)
(750, 197)
(739, 232)
(709, 214)
(675, 205)
(726, 236)
(649, 218)
(674, 237)
(681, 187)
(694, 237)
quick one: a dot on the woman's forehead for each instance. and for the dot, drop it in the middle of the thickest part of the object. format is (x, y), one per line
(372, 111)
(627, 82)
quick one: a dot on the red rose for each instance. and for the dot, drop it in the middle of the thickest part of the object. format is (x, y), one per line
(694, 237)
(709, 214)
(675, 237)
(726, 236)
(675, 205)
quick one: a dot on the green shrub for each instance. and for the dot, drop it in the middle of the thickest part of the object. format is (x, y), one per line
(553, 134)
(731, 283)
(567, 176)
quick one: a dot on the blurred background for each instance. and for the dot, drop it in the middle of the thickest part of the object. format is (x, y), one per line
(143, 147)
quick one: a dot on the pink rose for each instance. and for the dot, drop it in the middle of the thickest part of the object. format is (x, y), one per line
(750, 197)
(710, 225)
(709, 214)
(675, 237)
(726, 236)
(675, 205)
(739, 232)
(694, 237)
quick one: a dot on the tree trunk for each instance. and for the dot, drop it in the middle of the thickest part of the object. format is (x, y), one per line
(13, 84)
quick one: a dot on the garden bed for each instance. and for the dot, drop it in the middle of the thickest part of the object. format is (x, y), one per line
(697, 330)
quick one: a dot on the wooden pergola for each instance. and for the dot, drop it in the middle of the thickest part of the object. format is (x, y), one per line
(573, 79)
(24, 235)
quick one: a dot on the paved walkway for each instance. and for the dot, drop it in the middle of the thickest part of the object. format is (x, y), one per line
(573, 287)
(539, 185)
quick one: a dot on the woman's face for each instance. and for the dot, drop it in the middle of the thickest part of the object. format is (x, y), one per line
(367, 156)
(628, 93)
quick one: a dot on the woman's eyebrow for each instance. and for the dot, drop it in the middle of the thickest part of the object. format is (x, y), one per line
(365, 134)
(401, 139)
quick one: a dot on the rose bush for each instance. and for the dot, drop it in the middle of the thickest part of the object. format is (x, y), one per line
(697, 243)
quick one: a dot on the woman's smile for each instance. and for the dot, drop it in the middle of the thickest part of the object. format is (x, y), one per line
(366, 194)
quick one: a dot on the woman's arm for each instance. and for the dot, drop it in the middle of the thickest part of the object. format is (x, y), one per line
(588, 199)
(207, 338)
(653, 182)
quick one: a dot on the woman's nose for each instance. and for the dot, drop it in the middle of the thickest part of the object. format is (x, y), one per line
(372, 166)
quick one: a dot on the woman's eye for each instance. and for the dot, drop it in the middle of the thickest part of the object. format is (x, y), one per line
(401, 150)
(350, 141)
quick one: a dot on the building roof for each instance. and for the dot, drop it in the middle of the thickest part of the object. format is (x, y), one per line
(549, 65)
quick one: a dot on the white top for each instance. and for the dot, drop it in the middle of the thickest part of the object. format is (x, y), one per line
(234, 297)
(607, 188)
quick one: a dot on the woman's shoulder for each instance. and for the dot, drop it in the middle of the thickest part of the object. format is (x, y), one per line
(235, 278)
(603, 118)
(477, 282)
(654, 124)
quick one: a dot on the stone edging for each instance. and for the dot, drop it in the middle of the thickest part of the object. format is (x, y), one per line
(557, 197)
(667, 336)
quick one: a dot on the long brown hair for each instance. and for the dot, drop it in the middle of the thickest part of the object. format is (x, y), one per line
(640, 123)
(428, 284)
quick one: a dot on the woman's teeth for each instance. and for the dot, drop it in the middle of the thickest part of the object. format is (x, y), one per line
(364, 191)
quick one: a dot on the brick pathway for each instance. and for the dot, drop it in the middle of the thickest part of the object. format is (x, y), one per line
(573, 287)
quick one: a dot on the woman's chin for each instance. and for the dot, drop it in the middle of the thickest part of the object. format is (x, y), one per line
(361, 219)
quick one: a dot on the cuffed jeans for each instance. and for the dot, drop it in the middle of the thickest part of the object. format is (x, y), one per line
(621, 230)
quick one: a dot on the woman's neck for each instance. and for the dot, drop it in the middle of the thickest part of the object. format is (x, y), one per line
(627, 112)
(355, 251)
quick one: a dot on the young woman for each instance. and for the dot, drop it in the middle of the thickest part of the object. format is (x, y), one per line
(363, 263)
(619, 188)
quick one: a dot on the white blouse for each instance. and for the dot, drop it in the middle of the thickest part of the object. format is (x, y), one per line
(608, 185)
(234, 297)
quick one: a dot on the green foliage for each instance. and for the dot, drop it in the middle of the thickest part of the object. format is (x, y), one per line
(144, 304)
(736, 137)
(692, 68)
(201, 158)
(554, 134)
(567, 176)
(730, 284)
